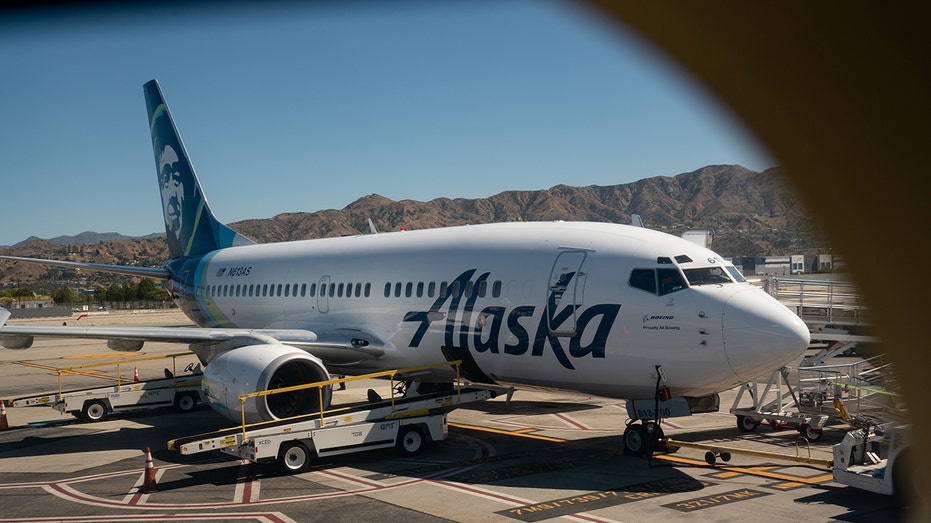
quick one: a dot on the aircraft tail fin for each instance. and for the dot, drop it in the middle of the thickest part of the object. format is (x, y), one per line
(191, 227)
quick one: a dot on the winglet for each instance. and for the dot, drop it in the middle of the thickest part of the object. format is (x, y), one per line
(190, 225)
(636, 221)
(4, 315)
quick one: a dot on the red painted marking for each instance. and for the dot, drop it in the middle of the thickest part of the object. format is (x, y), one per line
(571, 421)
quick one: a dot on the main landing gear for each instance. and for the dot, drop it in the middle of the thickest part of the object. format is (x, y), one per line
(643, 439)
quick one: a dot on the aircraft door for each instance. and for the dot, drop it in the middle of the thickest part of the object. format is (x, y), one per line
(565, 293)
(323, 295)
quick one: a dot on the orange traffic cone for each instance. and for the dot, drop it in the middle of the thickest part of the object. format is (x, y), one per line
(135, 374)
(148, 483)
(3, 422)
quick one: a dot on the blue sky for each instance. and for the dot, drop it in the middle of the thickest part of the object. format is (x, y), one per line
(303, 107)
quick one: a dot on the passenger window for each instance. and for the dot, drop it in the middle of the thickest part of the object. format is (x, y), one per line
(339, 291)
(420, 289)
(409, 289)
(643, 279)
(496, 289)
(287, 291)
(358, 290)
(482, 289)
(397, 290)
(303, 290)
(388, 289)
(443, 289)
(313, 290)
(431, 289)
(670, 280)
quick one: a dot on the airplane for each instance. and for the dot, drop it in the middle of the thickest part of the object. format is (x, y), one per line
(613, 310)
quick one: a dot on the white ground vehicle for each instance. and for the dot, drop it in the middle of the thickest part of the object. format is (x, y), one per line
(409, 422)
(92, 404)
(878, 458)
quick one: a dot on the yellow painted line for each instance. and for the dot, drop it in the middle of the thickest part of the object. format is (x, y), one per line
(787, 486)
(520, 434)
(753, 471)
(763, 471)
(726, 475)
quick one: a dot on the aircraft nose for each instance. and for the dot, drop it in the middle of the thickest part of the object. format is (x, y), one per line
(761, 334)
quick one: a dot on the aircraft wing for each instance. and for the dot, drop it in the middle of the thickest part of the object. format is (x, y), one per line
(333, 347)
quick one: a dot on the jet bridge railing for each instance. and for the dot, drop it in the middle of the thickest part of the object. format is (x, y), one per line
(866, 388)
(820, 301)
(320, 385)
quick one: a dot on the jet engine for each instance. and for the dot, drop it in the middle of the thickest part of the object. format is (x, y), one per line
(257, 368)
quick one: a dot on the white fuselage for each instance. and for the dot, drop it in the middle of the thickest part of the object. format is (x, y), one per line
(545, 304)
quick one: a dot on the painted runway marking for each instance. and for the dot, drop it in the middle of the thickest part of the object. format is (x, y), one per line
(691, 505)
(270, 517)
(508, 499)
(571, 505)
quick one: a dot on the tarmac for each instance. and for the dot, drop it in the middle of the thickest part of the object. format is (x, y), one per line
(540, 456)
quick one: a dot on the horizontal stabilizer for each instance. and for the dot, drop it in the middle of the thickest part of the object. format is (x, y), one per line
(144, 272)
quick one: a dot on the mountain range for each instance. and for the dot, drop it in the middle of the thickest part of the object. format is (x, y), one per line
(750, 214)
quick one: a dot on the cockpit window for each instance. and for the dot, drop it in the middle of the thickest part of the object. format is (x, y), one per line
(643, 279)
(670, 280)
(707, 276)
(735, 273)
(657, 281)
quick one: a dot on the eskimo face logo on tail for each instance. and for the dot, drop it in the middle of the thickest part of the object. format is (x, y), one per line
(172, 186)
(481, 331)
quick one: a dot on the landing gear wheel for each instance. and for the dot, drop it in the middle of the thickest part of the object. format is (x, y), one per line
(746, 424)
(294, 457)
(185, 402)
(94, 411)
(809, 433)
(635, 440)
(410, 441)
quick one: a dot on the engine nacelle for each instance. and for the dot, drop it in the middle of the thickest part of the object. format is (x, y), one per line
(257, 368)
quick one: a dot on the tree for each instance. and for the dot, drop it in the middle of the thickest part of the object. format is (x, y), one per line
(64, 295)
(23, 292)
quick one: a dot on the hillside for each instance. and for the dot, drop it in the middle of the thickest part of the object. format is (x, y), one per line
(750, 213)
